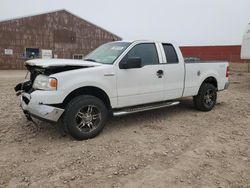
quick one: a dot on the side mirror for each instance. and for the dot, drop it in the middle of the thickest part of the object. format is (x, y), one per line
(130, 63)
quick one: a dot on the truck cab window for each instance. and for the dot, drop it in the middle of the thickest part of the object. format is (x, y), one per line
(170, 54)
(147, 52)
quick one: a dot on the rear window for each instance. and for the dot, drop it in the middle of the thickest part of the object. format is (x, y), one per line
(170, 53)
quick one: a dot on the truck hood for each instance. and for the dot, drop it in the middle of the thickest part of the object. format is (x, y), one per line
(52, 66)
(46, 63)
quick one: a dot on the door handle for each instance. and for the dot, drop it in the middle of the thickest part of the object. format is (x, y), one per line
(160, 73)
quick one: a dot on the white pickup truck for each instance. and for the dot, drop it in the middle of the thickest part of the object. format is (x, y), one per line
(117, 78)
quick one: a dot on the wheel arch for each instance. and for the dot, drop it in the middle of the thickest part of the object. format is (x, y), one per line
(89, 90)
(211, 80)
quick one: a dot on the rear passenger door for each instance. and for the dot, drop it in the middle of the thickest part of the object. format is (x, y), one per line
(174, 72)
(141, 85)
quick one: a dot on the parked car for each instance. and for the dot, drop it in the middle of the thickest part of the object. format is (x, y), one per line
(117, 78)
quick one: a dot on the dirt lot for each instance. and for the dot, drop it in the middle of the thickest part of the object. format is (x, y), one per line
(173, 147)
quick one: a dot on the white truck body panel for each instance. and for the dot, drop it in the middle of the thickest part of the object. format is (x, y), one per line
(197, 73)
(174, 76)
(68, 82)
(138, 86)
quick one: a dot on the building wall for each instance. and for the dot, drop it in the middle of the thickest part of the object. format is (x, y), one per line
(61, 32)
(228, 53)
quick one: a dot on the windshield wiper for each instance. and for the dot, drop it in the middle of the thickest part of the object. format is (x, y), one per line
(93, 60)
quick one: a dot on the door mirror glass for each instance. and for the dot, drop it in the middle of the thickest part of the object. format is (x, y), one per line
(131, 63)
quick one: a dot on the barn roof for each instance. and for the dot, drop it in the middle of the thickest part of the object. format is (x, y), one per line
(55, 11)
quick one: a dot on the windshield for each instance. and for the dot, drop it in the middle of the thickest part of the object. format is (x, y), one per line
(107, 53)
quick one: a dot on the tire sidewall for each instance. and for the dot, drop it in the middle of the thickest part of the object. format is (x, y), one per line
(211, 87)
(73, 108)
(199, 99)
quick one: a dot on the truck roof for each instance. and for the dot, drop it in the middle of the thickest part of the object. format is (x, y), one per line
(153, 41)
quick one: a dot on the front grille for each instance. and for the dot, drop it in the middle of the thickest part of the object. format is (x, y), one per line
(27, 86)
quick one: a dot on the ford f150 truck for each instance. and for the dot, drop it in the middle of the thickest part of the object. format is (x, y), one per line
(117, 78)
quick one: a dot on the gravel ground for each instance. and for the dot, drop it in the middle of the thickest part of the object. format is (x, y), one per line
(172, 147)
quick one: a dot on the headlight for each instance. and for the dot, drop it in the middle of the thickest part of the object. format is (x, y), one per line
(43, 82)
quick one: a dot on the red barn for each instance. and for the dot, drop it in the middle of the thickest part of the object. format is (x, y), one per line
(228, 53)
(57, 34)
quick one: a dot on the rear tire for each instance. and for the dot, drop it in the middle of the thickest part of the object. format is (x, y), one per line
(206, 98)
(85, 117)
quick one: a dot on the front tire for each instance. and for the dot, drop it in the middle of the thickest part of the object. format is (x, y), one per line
(85, 117)
(206, 98)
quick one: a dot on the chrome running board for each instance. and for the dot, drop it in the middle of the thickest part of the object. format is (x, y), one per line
(136, 109)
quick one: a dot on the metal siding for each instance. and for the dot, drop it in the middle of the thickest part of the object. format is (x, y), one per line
(38, 32)
(228, 53)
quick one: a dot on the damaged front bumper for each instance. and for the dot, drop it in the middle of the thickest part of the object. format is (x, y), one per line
(39, 111)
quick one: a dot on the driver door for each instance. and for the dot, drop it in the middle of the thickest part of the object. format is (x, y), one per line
(141, 85)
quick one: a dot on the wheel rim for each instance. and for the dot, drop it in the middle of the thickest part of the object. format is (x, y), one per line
(209, 98)
(88, 118)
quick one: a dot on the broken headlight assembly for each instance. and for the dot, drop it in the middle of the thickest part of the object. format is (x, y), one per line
(46, 83)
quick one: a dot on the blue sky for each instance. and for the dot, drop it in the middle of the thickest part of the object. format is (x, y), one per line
(185, 22)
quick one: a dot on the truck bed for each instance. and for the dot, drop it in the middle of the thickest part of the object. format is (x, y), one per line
(196, 72)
